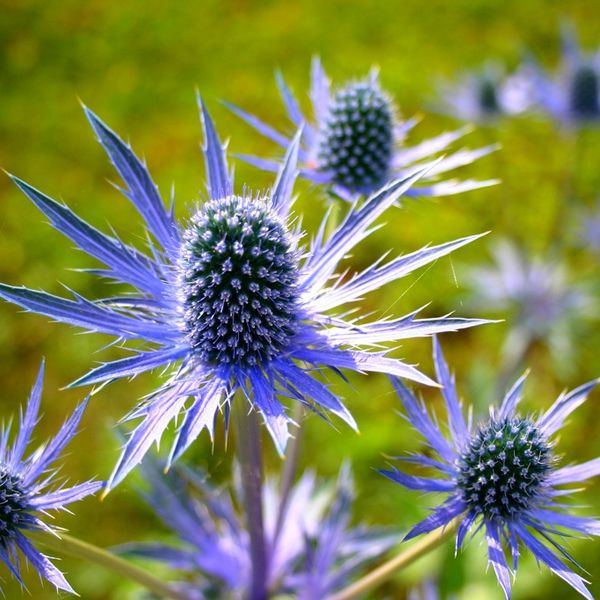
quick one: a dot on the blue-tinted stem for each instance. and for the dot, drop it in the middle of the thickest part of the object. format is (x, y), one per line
(248, 446)
(289, 470)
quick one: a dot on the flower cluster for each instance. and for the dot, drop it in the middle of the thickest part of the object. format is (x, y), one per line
(246, 317)
(571, 96)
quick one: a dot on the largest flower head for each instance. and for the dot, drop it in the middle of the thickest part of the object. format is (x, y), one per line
(231, 300)
(501, 475)
(356, 141)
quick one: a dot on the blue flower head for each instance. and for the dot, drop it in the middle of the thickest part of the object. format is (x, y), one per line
(355, 143)
(502, 475)
(489, 94)
(573, 96)
(313, 549)
(544, 305)
(231, 301)
(28, 489)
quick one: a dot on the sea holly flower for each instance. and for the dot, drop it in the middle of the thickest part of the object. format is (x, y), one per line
(29, 489)
(313, 548)
(489, 94)
(356, 142)
(537, 293)
(502, 475)
(231, 301)
(573, 96)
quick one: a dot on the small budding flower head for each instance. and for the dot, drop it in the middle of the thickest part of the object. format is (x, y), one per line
(238, 282)
(356, 141)
(356, 137)
(502, 476)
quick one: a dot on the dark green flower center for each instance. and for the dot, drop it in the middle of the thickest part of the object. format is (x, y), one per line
(488, 96)
(584, 93)
(356, 137)
(13, 504)
(238, 278)
(502, 469)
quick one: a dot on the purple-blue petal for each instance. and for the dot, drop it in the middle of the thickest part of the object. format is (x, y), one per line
(42, 565)
(497, 558)
(281, 194)
(552, 561)
(441, 516)
(421, 421)
(219, 181)
(132, 365)
(29, 419)
(83, 313)
(142, 191)
(126, 264)
(60, 498)
(555, 416)
(419, 483)
(456, 421)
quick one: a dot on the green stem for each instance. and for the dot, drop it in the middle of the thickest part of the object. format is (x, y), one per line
(381, 574)
(70, 546)
(248, 446)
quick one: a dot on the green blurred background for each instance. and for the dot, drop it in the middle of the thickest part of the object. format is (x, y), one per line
(137, 65)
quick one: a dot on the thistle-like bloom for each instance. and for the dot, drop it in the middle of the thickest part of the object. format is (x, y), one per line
(543, 304)
(28, 489)
(573, 96)
(489, 94)
(232, 300)
(356, 142)
(502, 475)
(312, 548)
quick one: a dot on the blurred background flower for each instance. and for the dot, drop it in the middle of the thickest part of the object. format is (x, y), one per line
(572, 95)
(486, 95)
(313, 548)
(539, 302)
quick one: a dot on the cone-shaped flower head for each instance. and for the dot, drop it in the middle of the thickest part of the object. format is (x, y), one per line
(238, 282)
(502, 475)
(28, 489)
(356, 141)
(314, 549)
(231, 301)
(356, 137)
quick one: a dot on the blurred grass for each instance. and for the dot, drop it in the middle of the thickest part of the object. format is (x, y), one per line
(137, 65)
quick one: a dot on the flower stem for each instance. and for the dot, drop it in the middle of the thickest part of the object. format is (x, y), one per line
(289, 470)
(381, 574)
(248, 446)
(70, 546)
